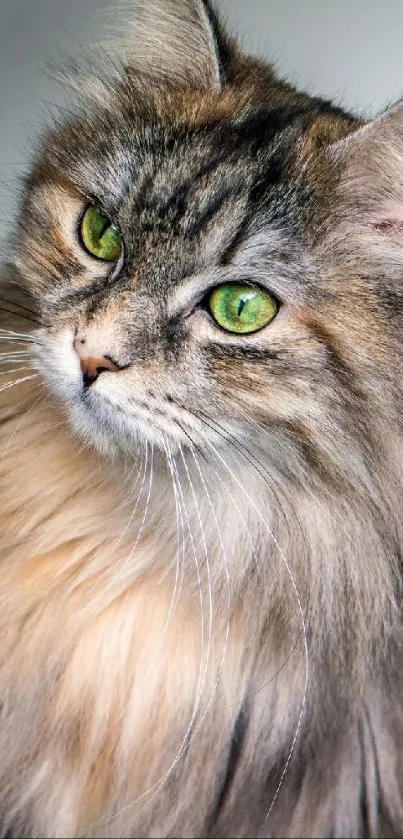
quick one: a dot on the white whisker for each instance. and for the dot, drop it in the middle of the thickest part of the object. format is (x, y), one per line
(158, 785)
(19, 381)
(14, 370)
(143, 521)
(227, 578)
(9, 335)
(182, 564)
(259, 570)
(140, 682)
(17, 428)
(14, 353)
(10, 361)
(241, 516)
(137, 502)
(126, 528)
(15, 342)
(163, 634)
(303, 625)
(179, 519)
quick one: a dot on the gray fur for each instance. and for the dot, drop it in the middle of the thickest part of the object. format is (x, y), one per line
(279, 453)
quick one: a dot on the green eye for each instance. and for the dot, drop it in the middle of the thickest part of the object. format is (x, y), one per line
(99, 237)
(242, 308)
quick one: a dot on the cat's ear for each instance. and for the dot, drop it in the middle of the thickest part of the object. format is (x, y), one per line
(370, 166)
(179, 43)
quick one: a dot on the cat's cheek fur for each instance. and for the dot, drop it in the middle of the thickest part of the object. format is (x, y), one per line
(104, 415)
(55, 357)
(204, 636)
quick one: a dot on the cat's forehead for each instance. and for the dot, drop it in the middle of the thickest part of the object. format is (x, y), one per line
(134, 142)
(188, 179)
(187, 172)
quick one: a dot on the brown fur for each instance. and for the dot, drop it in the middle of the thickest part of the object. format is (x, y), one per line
(200, 588)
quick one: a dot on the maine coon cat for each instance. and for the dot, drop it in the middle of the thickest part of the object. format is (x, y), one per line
(201, 457)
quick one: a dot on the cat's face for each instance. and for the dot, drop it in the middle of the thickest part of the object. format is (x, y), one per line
(168, 239)
(187, 306)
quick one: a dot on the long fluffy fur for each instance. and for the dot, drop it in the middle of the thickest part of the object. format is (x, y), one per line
(200, 586)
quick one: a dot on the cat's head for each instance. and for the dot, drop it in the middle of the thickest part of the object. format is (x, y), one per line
(196, 238)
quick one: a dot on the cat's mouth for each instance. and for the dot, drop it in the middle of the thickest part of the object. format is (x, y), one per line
(126, 426)
(112, 421)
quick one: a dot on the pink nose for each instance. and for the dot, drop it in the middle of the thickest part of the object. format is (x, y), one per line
(93, 365)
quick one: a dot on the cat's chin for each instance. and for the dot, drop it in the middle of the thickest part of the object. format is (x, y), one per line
(108, 429)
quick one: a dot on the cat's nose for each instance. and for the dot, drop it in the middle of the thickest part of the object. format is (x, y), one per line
(93, 365)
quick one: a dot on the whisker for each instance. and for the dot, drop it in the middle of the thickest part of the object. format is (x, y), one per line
(12, 339)
(17, 428)
(177, 588)
(12, 353)
(14, 332)
(144, 675)
(241, 516)
(23, 308)
(176, 478)
(202, 670)
(206, 555)
(14, 359)
(14, 370)
(20, 337)
(187, 434)
(228, 584)
(246, 453)
(143, 521)
(303, 624)
(229, 439)
(158, 785)
(283, 665)
(19, 381)
(138, 496)
(18, 315)
(125, 565)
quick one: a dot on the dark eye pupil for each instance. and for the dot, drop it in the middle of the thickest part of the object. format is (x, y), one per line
(104, 227)
(241, 306)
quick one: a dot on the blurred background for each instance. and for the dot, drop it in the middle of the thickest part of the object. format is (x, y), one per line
(349, 51)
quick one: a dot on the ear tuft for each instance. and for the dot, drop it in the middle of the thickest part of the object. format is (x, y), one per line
(370, 162)
(178, 43)
(365, 225)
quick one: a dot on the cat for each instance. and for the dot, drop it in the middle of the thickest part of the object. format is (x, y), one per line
(201, 467)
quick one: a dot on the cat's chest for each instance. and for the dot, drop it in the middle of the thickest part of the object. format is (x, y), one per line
(105, 575)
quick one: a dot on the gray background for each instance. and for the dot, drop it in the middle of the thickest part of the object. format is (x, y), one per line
(349, 51)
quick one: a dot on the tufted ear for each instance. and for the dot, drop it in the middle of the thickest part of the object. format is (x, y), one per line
(370, 163)
(179, 42)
